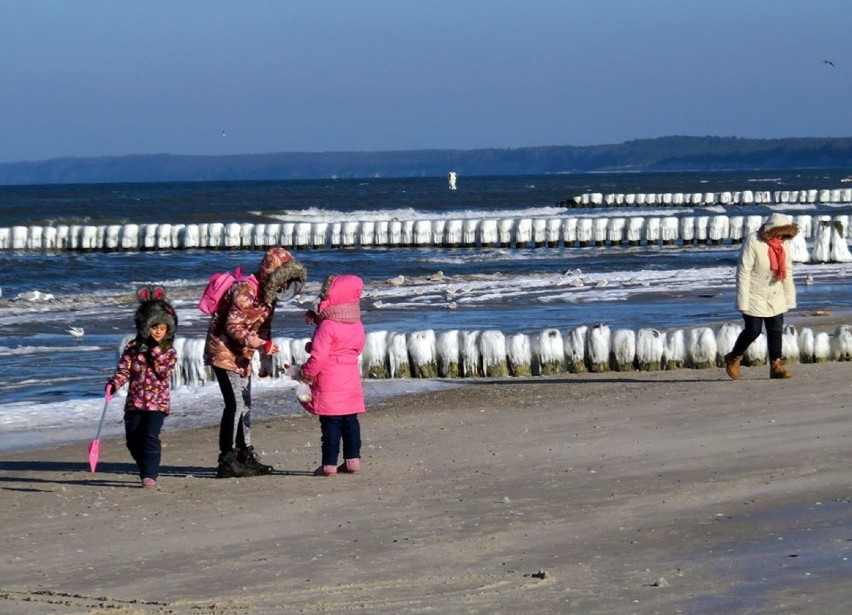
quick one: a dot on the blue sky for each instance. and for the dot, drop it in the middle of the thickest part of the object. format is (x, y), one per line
(109, 77)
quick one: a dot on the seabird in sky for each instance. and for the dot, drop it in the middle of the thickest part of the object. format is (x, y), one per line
(829, 62)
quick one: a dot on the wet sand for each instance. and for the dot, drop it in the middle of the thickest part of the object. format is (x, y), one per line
(665, 492)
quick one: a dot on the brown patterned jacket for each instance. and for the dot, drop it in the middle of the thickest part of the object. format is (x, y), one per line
(243, 323)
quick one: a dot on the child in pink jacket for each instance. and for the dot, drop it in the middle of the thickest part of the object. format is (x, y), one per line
(334, 374)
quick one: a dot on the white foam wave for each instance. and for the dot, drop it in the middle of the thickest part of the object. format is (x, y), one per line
(315, 214)
(798, 207)
(34, 350)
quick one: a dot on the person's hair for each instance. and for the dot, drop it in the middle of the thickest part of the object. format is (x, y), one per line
(326, 285)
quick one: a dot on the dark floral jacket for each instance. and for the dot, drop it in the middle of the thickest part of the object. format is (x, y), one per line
(147, 375)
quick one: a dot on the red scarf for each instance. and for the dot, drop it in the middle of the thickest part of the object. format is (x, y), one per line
(777, 258)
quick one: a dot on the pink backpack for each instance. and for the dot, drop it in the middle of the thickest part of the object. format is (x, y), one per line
(218, 286)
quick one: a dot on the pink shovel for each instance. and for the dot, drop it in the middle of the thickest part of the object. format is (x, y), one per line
(95, 445)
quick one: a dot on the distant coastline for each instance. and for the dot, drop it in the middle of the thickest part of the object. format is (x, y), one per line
(664, 154)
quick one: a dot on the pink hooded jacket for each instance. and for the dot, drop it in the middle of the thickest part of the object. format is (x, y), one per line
(337, 342)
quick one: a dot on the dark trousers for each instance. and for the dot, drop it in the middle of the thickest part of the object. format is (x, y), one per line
(752, 329)
(335, 428)
(142, 432)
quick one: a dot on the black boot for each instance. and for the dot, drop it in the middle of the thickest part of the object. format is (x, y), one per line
(251, 460)
(230, 467)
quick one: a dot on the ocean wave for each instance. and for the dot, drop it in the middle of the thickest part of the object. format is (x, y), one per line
(34, 350)
(314, 214)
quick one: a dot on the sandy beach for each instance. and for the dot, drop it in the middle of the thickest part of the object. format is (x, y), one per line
(664, 492)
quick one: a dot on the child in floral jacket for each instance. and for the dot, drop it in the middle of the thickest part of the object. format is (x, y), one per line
(146, 366)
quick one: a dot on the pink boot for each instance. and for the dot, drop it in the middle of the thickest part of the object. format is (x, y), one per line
(325, 471)
(350, 466)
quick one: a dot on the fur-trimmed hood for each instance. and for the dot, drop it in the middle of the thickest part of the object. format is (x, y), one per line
(778, 225)
(277, 271)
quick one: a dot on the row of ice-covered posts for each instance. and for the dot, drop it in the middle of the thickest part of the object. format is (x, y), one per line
(491, 353)
(744, 197)
(550, 231)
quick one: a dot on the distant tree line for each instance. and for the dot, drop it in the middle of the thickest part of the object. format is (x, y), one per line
(676, 153)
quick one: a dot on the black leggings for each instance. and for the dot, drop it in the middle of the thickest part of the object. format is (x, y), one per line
(752, 329)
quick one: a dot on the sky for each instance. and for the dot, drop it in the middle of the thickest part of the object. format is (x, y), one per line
(89, 78)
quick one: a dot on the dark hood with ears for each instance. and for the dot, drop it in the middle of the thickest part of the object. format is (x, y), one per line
(154, 309)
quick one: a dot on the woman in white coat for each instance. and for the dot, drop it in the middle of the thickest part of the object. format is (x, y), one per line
(765, 291)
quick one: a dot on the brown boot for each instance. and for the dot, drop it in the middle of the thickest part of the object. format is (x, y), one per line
(776, 369)
(732, 365)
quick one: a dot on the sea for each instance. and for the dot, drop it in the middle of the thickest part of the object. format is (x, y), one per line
(51, 382)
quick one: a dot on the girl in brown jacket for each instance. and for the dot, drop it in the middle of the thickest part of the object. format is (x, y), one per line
(241, 326)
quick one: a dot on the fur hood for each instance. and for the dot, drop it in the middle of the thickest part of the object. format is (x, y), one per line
(778, 225)
(277, 271)
(154, 309)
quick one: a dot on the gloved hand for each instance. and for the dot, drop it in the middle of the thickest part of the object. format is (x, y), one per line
(267, 367)
(109, 392)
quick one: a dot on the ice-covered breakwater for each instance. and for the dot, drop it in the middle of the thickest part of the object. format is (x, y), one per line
(492, 354)
(744, 197)
(829, 234)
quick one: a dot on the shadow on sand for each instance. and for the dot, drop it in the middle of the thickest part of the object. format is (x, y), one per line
(107, 475)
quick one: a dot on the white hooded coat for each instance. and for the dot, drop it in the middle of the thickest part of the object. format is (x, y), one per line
(759, 292)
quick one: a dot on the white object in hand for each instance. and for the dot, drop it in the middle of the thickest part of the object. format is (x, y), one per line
(303, 391)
